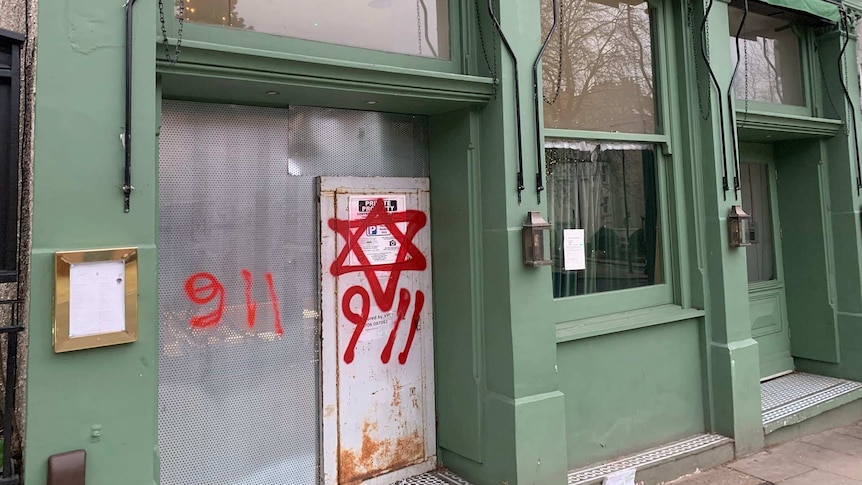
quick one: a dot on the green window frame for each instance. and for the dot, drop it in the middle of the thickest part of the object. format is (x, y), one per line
(588, 306)
(218, 38)
(808, 60)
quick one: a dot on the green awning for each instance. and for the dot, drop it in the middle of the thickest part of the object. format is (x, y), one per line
(817, 8)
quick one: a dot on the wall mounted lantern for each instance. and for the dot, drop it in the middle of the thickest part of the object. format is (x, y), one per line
(738, 227)
(533, 232)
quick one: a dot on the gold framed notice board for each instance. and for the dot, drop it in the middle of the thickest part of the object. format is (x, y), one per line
(95, 298)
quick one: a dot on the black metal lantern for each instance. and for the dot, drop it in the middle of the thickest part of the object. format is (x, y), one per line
(738, 227)
(533, 232)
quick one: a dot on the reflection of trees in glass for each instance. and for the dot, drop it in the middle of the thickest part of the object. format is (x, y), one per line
(598, 69)
(770, 67)
(213, 12)
(764, 81)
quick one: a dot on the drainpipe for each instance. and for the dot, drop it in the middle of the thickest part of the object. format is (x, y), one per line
(127, 131)
(511, 53)
(733, 143)
(537, 100)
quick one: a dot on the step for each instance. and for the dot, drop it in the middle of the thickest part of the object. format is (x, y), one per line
(793, 398)
(665, 462)
(438, 477)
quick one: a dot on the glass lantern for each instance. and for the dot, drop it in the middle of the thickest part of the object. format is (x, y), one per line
(739, 227)
(533, 232)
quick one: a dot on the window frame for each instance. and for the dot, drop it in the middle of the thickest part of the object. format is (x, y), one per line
(807, 59)
(581, 307)
(204, 36)
(10, 159)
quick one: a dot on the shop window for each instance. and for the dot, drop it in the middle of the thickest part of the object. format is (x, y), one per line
(9, 116)
(414, 27)
(605, 149)
(598, 74)
(619, 214)
(770, 68)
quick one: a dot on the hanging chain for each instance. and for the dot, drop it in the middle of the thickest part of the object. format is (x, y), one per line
(747, 71)
(559, 82)
(182, 13)
(418, 28)
(703, 107)
(492, 64)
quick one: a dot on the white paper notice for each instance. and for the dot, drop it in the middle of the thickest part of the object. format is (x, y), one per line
(97, 298)
(376, 243)
(574, 253)
(622, 477)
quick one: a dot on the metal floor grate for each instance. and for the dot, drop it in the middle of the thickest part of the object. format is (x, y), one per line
(787, 395)
(649, 458)
(440, 477)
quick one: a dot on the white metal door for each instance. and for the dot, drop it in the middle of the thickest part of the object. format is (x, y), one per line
(378, 359)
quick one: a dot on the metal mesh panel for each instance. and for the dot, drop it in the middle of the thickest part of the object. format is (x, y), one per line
(240, 404)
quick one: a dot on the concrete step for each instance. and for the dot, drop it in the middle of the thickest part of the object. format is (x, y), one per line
(793, 398)
(663, 463)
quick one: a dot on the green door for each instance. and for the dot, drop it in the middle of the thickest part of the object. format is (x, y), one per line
(769, 324)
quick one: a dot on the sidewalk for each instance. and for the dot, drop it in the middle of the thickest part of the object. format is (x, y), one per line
(830, 458)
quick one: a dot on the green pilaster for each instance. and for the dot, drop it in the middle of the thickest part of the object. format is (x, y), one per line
(78, 204)
(525, 442)
(733, 374)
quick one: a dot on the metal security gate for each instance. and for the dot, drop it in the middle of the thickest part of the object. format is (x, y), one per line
(239, 329)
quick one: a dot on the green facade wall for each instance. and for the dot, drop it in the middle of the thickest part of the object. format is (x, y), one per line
(109, 392)
(649, 391)
(519, 400)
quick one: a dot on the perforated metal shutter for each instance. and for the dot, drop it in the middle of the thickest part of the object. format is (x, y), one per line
(241, 404)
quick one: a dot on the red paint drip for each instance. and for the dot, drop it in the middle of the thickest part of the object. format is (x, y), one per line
(202, 288)
(250, 305)
(272, 296)
(420, 302)
(403, 304)
(357, 319)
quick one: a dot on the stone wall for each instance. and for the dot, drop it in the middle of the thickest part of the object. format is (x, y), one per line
(20, 16)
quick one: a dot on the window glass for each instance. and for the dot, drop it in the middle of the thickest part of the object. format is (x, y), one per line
(415, 27)
(754, 182)
(9, 117)
(610, 191)
(598, 69)
(770, 69)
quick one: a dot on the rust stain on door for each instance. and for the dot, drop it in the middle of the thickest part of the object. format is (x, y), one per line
(377, 457)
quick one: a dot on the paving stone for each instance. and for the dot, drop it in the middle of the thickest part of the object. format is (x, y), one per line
(770, 467)
(854, 430)
(820, 458)
(718, 476)
(820, 477)
(836, 441)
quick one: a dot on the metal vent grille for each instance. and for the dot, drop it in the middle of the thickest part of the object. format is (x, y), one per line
(237, 224)
(442, 477)
(648, 458)
(785, 389)
(787, 395)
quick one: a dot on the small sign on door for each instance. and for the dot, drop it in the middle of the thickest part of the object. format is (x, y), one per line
(378, 244)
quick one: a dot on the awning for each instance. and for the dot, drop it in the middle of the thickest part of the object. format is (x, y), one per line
(816, 8)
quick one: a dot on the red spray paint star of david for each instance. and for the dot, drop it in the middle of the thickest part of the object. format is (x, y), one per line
(409, 257)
